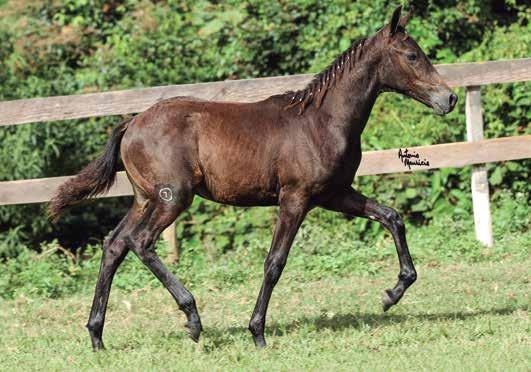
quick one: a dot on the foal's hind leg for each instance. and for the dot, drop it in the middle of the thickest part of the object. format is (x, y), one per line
(353, 203)
(114, 251)
(158, 215)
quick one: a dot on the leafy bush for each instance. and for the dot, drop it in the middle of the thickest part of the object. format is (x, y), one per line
(78, 46)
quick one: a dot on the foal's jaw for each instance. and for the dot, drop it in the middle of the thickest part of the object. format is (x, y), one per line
(441, 100)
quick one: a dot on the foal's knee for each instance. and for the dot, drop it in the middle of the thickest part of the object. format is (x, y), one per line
(393, 219)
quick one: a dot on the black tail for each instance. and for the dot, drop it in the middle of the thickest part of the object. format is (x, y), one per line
(94, 179)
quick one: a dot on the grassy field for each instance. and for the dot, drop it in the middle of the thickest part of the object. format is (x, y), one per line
(456, 317)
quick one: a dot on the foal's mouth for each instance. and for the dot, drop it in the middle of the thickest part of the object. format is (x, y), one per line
(442, 110)
(439, 110)
(441, 104)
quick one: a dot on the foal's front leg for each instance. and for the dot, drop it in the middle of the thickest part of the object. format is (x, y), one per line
(293, 209)
(353, 203)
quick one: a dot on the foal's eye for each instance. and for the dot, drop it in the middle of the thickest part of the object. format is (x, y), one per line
(412, 57)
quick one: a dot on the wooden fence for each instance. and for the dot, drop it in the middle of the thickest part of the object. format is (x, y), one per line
(476, 151)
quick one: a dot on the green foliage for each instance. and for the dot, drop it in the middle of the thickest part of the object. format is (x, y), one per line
(38, 275)
(326, 245)
(79, 46)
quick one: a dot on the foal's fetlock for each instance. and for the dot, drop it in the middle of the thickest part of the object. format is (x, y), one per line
(258, 338)
(408, 278)
(95, 332)
(97, 343)
(391, 297)
(258, 335)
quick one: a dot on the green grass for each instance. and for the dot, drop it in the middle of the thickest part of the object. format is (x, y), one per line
(468, 311)
(469, 316)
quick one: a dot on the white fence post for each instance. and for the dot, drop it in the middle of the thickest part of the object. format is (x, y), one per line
(480, 183)
(169, 237)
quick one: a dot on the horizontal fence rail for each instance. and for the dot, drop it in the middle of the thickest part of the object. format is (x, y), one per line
(475, 152)
(446, 155)
(137, 100)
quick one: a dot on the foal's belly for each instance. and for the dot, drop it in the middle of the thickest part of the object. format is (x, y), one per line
(241, 198)
(238, 183)
(244, 179)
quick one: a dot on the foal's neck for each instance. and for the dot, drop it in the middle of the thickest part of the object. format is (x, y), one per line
(349, 103)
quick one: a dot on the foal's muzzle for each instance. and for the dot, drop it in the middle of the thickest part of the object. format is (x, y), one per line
(443, 102)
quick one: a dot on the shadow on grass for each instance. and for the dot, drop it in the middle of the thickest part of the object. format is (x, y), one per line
(220, 337)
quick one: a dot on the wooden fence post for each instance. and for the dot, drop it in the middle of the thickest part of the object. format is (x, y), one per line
(480, 183)
(169, 236)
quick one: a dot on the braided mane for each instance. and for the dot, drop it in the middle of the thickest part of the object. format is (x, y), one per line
(316, 90)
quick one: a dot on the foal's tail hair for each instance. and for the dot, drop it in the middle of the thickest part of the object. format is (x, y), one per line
(96, 178)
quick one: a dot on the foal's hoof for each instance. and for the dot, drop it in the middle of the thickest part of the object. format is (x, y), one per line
(259, 342)
(98, 347)
(194, 330)
(387, 300)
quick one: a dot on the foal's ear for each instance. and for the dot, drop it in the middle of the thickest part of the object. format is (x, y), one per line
(395, 21)
(405, 19)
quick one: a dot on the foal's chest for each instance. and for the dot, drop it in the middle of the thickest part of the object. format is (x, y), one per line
(340, 158)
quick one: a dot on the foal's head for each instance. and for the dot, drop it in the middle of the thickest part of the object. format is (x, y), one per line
(406, 69)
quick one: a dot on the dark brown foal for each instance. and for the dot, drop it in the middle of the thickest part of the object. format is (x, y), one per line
(297, 150)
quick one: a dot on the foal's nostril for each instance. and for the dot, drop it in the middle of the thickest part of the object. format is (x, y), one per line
(453, 99)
